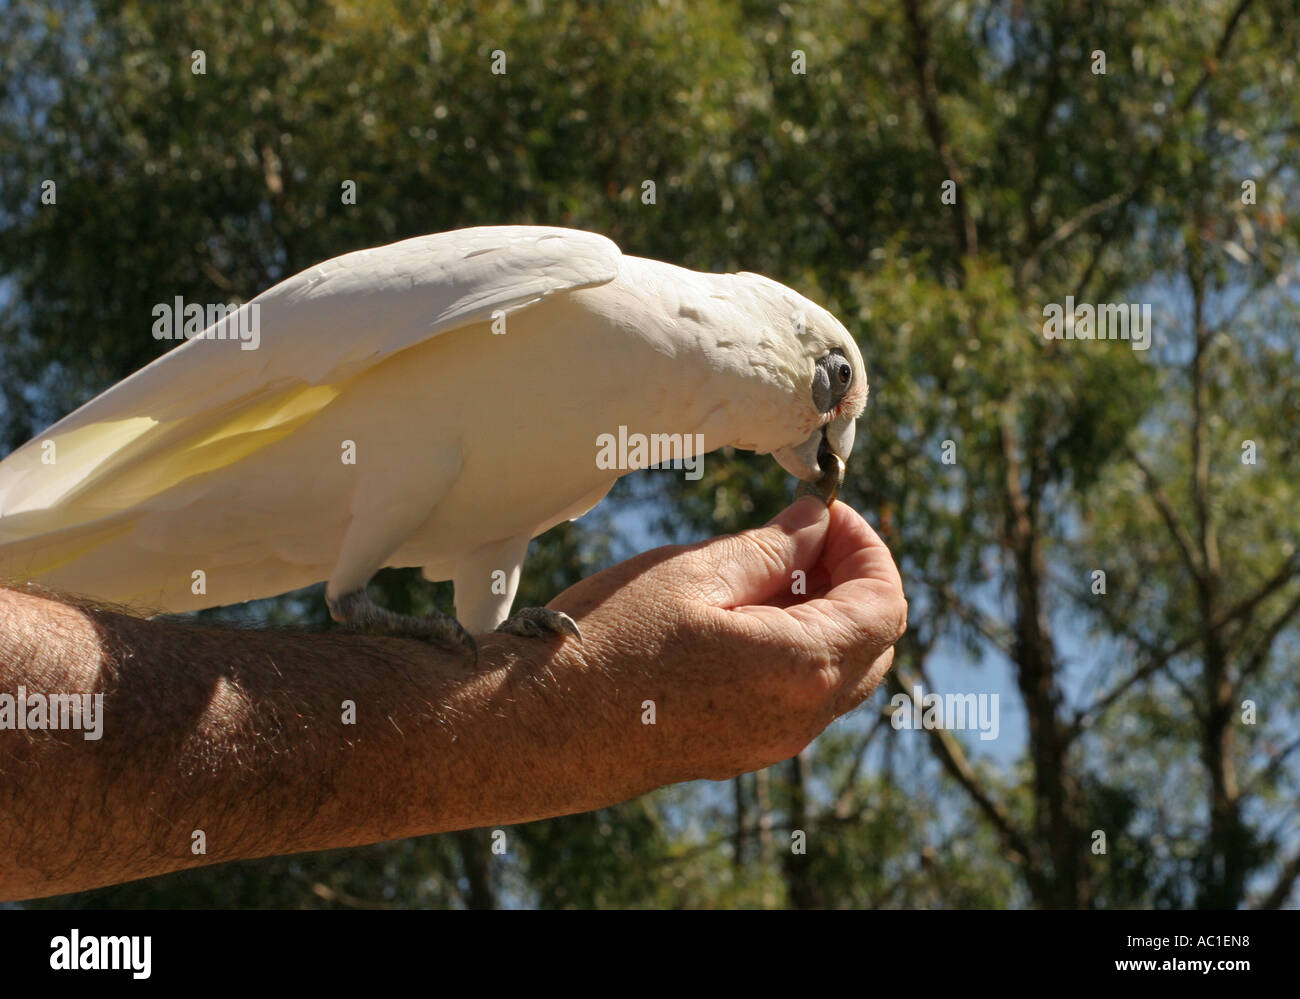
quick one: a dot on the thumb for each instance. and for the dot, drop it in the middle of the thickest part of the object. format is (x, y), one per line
(754, 566)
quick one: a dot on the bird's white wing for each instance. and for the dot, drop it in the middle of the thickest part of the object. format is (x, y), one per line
(210, 401)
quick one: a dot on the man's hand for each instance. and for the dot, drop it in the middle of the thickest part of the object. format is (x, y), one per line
(748, 645)
(701, 661)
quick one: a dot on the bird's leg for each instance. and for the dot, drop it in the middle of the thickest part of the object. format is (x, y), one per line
(357, 611)
(536, 622)
(487, 580)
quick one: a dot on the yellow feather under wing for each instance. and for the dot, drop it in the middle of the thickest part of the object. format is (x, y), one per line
(112, 492)
(246, 430)
(38, 555)
(53, 467)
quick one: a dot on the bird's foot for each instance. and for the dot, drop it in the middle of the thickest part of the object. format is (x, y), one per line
(537, 622)
(359, 613)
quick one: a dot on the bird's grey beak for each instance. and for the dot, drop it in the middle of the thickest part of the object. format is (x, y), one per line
(818, 462)
(801, 459)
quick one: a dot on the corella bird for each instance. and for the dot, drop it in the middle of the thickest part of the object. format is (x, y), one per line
(437, 402)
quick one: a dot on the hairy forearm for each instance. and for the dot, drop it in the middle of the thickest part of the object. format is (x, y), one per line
(244, 743)
(695, 661)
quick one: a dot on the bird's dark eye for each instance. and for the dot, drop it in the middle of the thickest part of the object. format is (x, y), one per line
(831, 379)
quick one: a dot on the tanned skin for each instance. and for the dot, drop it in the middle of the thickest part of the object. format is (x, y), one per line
(240, 734)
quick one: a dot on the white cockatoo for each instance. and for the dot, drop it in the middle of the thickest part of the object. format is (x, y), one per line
(437, 402)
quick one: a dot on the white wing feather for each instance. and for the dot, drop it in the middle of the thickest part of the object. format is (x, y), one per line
(317, 328)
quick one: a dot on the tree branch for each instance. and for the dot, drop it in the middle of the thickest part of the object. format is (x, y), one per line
(1147, 169)
(949, 752)
(1276, 898)
(1165, 508)
(923, 66)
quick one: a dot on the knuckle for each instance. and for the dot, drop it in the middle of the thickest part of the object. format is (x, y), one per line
(898, 618)
(767, 549)
(888, 622)
(814, 680)
(792, 747)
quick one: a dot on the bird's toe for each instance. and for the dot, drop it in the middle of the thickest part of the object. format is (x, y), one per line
(537, 622)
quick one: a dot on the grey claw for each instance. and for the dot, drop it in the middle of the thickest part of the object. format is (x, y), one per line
(537, 622)
(570, 625)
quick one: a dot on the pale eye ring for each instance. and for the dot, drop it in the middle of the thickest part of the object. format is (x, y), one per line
(832, 375)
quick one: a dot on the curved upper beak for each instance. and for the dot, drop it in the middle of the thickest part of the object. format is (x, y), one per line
(801, 461)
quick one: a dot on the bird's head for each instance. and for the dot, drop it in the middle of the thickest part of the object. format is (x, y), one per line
(837, 393)
(790, 375)
(830, 394)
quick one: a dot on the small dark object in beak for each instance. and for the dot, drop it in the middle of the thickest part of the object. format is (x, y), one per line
(828, 486)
